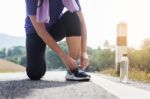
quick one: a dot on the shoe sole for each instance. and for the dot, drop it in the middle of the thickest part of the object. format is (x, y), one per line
(78, 79)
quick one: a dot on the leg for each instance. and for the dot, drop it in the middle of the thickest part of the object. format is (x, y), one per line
(69, 26)
(74, 44)
(36, 66)
(73, 33)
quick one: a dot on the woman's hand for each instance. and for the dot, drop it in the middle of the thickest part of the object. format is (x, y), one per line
(84, 60)
(69, 62)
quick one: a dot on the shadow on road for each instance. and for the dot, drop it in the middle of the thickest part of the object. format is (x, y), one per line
(21, 88)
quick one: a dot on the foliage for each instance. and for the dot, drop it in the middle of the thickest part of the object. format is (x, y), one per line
(134, 74)
(15, 54)
(101, 58)
(52, 60)
(3, 53)
(139, 59)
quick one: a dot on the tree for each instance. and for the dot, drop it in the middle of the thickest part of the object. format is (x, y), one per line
(3, 53)
(102, 59)
(106, 44)
(52, 60)
(17, 54)
(146, 44)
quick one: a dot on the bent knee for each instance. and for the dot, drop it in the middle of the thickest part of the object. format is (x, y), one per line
(35, 74)
(72, 24)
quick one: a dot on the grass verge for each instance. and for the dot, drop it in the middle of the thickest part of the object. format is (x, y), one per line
(134, 74)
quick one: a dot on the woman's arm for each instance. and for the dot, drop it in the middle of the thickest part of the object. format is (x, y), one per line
(83, 32)
(84, 55)
(42, 32)
(46, 37)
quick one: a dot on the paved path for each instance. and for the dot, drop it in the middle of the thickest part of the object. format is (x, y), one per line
(121, 90)
(52, 86)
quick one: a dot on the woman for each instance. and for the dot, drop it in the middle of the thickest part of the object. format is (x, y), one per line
(39, 34)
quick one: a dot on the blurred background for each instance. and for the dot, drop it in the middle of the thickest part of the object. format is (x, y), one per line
(102, 17)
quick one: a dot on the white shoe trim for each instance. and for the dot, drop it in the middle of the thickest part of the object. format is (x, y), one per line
(72, 77)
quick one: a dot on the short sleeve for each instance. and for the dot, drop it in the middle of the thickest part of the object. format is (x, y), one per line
(31, 7)
(78, 3)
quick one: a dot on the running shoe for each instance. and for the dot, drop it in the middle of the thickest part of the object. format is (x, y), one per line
(77, 75)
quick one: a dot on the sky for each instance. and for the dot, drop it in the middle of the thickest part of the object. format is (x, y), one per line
(101, 17)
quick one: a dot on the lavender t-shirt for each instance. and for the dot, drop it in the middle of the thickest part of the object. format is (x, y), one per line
(56, 8)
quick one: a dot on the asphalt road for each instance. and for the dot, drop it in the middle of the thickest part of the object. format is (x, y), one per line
(52, 86)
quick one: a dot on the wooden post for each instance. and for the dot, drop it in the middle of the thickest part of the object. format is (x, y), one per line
(121, 43)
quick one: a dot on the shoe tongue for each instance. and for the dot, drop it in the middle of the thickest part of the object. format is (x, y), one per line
(80, 70)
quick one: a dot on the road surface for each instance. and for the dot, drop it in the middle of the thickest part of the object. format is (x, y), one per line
(54, 86)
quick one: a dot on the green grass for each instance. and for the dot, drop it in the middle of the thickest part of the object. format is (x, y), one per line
(134, 74)
(110, 72)
(139, 75)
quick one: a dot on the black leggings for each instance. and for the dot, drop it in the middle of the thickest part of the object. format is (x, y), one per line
(67, 25)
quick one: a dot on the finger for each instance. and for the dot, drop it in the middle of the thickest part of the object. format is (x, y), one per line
(85, 62)
(82, 63)
(86, 65)
(74, 65)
